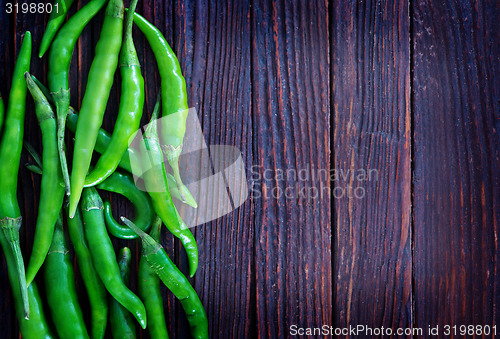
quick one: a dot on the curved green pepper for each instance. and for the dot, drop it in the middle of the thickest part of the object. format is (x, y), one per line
(10, 155)
(103, 255)
(124, 184)
(51, 192)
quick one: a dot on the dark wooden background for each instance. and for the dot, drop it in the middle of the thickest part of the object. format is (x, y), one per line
(408, 88)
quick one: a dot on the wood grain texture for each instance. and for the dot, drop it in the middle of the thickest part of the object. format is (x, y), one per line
(212, 40)
(267, 264)
(405, 95)
(371, 90)
(456, 181)
(290, 79)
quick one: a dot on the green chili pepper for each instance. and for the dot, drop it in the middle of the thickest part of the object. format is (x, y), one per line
(121, 321)
(96, 96)
(149, 291)
(56, 20)
(10, 154)
(51, 192)
(2, 113)
(45, 90)
(59, 61)
(36, 327)
(124, 184)
(130, 110)
(103, 256)
(61, 290)
(95, 289)
(157, 187)
(102, 143)
(174, 97)
(175, 282)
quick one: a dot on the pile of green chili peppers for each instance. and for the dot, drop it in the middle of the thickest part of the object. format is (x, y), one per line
(71, 210)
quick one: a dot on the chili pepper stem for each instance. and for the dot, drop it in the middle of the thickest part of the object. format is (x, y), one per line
(149, 245)
(10, 153)
(10, 228)
(175, 281)
(148, 285)
(121, 321)
(101, 250)
(162, 201)
(174, 96)
(60, 288)
(62, 107)
(95, 289)
(102, 142)
(51, 193)
(129, 111)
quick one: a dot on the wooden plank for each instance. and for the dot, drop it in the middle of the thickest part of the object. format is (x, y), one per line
(212, 41)
(291, 116)
(457, 168)
(267, 265)
(371, 93)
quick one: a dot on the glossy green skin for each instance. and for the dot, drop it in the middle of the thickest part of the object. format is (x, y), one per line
(156, 184)
(95, 289)
(177, 283)
(102, 142)
(12, 139)
(124, 184)
(10, 154)
(121, 321)
(2, 113)
(174, 101)
(55, 22)
(59, 61)
(36, 327)
(45, 90)
(64, 44)
(52, 191)
(173, 85)
(127, 124)
(103, 255)
(149, 291)
(61, 290)
(180, 287)
(96, 96)
(129, 111)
